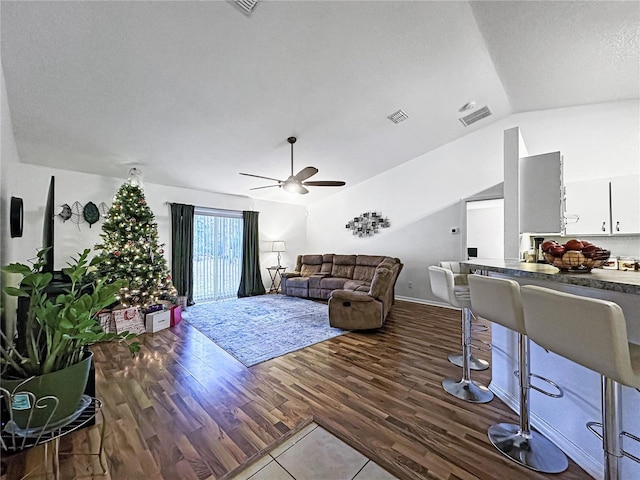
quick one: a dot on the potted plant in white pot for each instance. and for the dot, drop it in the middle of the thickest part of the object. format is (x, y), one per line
(55, 362)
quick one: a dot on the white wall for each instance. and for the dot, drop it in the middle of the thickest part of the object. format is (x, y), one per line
(421, 197)
(278, 221)
(8, 155)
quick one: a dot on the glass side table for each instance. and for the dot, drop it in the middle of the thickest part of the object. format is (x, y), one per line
(14, 439)
(275, 273)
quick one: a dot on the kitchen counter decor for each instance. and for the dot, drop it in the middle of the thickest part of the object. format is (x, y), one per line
(575, 256)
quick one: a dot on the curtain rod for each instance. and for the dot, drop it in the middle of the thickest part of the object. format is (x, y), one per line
(209, 208)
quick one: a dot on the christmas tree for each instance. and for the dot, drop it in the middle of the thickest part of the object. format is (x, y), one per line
(130, 249)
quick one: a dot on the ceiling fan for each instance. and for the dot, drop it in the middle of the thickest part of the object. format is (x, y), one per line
(296, 183)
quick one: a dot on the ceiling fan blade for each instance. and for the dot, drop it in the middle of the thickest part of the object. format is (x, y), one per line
(303, 191)
(267, 186)
(306, 173)
(324, 183)
(260, 176)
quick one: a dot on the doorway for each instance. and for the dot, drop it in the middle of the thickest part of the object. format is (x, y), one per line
(485, 227)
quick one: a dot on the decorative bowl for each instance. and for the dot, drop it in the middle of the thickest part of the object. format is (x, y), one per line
(575, 256)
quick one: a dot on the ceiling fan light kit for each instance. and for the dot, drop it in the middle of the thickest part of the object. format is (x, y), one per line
(296, 183)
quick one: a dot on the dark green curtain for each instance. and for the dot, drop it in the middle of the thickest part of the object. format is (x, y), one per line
(182, 251)
(250, 279)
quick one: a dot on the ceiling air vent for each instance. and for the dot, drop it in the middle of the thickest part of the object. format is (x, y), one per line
(398, 116)
(246, 6)
(475, 116)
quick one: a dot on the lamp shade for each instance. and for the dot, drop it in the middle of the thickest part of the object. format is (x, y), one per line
(278, 246)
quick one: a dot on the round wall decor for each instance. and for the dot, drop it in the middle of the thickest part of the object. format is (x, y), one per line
(16, 216)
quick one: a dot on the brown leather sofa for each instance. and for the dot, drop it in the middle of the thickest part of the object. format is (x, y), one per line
(360, 288)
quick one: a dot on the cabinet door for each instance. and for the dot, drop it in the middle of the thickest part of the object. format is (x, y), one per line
(589, 200)
(540, 185)
(625, 204)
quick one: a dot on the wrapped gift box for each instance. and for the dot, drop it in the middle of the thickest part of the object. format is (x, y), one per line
(107, 322)
(129, 320)
(156, 321)
(176, 315)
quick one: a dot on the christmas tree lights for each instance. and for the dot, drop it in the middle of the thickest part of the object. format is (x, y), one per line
(131, 250)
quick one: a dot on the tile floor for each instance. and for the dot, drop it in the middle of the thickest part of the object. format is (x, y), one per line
(314, 454)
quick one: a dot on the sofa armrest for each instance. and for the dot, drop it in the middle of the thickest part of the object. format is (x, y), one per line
(290, 275)
(351, 296)
(286, 276)
(315, 279)
(382, 282)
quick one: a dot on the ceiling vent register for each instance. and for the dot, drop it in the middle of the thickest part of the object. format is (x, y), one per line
(478, 115)
(398, 116)
(246, 6)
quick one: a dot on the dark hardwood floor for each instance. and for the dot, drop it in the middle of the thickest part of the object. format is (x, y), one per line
(185, 409)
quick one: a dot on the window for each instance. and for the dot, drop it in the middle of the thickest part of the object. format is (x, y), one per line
(217, 254)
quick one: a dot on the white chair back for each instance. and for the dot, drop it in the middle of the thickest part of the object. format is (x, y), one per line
(443, 286)
(588, 331)
(498, 300)
(459, 278)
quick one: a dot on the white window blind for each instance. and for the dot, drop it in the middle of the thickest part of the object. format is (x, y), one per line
(217, 254)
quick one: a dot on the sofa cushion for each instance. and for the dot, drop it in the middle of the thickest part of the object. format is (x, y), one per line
(307, 270)
(366, 267)
(327, 263)
(356, 284)
(314, 280)
(343, 266)
(312, 259)
(298, 281)
(363, 272)
(332, 283)
(369, 260)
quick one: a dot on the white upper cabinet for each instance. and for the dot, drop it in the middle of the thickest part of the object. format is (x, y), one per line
(625, 204)
(587, 207)
(540, 193)
(603, 206)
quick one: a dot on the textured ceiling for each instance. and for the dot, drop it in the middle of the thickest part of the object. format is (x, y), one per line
(195, 92)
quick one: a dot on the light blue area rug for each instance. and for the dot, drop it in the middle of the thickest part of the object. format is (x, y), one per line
(256, 329)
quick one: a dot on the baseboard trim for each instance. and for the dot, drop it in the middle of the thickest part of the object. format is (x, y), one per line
(589, 464)
(422, 301)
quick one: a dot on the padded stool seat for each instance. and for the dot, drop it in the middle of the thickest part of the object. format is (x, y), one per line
(443, 287)
(461, 294)
(498, 300)
(591, 333)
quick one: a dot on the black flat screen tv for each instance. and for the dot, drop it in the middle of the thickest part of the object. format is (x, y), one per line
(48, 227)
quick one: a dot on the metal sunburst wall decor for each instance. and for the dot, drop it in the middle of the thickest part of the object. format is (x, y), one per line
(367, 224)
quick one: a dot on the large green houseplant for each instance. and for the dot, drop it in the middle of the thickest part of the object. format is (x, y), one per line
(56, 336)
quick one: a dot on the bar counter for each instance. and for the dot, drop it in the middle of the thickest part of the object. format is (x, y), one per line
(600, 278)
(563, 420)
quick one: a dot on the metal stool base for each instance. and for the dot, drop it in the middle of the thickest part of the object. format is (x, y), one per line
(475, 363)
(534, 452)
(467, 390)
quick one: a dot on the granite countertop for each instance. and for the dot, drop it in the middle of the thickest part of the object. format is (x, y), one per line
(615, 280)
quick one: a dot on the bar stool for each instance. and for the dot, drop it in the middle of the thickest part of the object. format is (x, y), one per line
(460, 282)
(498, 300)
(592, 333)
(442, 286)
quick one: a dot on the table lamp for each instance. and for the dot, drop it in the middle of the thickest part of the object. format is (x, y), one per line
(278, 246)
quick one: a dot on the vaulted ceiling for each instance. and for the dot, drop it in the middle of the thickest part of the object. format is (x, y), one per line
(193, 93)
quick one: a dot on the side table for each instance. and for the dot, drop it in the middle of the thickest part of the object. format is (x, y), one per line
(14, 439)
(275, 273)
